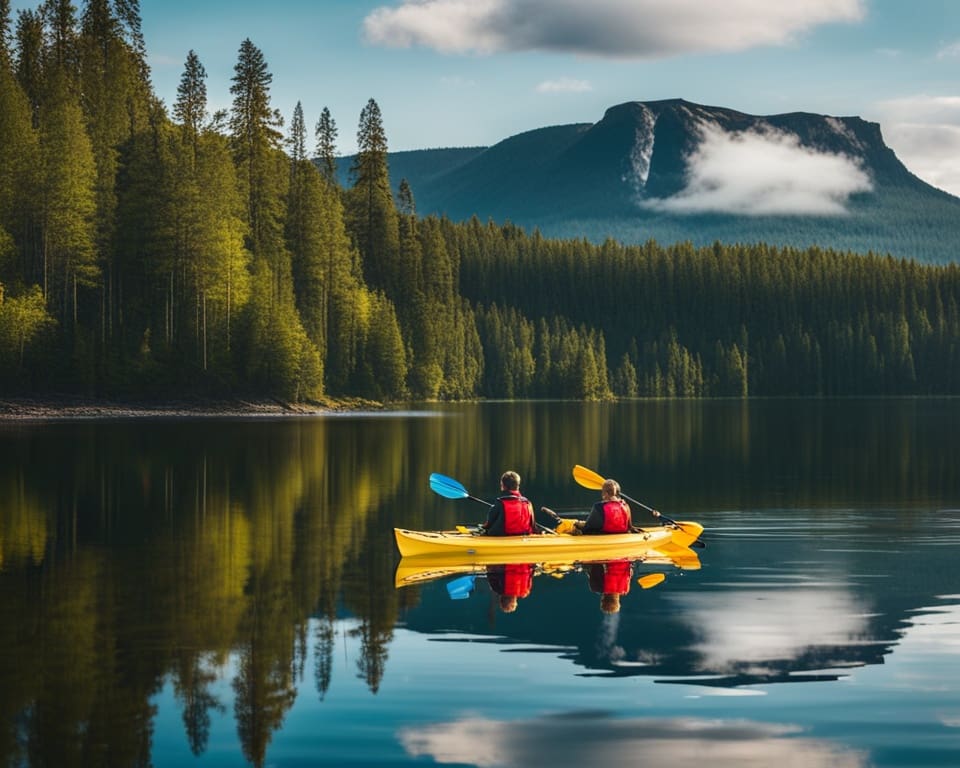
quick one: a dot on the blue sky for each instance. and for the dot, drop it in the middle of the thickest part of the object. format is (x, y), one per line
(473, 72)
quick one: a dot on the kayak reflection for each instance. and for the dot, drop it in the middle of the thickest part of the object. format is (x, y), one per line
(511, 582)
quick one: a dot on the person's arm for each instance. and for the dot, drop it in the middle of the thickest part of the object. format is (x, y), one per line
(630, 526)
(534, 528)
(594, 523)
(496, 510)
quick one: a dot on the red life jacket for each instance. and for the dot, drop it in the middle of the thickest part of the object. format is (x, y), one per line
(616, 516)
(616, 577)
(518, 580)
(517, 514)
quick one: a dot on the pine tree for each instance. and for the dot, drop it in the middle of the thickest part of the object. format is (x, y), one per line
(255, 136)
(118, 104)
(6, 58)
(281, 355)
(372, 216)
(191, 105)
(29, 70)
(67, 201)
(60, 17)
(326, 134)
(18, 164)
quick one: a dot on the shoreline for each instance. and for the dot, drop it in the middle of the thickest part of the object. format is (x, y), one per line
(68, 407)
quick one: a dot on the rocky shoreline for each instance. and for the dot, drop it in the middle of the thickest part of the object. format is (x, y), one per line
(68, 407)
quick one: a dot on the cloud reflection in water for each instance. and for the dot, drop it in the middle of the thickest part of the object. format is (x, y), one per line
(579, 739)
(754, 626)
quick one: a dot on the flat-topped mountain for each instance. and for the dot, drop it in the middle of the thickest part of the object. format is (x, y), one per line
(673, 170)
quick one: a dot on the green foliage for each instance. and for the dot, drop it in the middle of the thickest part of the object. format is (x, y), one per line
(184, 257)
(22, 319)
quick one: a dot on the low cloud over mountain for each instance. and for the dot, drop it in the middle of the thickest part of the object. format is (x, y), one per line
(763, 171)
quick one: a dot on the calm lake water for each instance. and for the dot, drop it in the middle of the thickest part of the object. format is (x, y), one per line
(211, 592)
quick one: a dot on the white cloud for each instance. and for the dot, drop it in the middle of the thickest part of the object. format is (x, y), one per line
(595, 739)
(564, 85)
(764, 173)
(616, 28)
(950, 51)
(924, 131)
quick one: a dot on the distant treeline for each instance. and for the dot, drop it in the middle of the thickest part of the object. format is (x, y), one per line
(147, 252)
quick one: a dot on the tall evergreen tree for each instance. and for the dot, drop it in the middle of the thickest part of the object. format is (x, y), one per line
(118, 104)
(60, 17)
(6, 57)
(18, 181)
(280, 353)
(326, 135)
(67, 201)
(30, 48)
(191, 105)
(255, 136)
(372, 214)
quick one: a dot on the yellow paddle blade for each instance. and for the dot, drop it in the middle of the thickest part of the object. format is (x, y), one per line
(464, 529)
(587, 478)
(651, 580)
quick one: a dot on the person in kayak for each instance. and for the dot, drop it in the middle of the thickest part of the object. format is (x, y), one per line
(511, 514)
(609, 515)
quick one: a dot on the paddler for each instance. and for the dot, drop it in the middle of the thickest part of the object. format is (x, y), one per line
(512, 513)
(609, 515)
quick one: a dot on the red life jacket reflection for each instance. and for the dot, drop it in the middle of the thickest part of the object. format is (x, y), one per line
(518, 580)
(616, 577)
(616, 516)
(517, 514)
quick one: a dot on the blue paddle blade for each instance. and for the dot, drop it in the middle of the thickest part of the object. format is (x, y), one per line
(462, 588)
(447, 487)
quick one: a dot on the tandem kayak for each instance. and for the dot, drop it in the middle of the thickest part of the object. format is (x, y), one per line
(480, 549)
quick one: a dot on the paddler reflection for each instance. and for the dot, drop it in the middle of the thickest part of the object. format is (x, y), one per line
(510, 582)
(611, 581)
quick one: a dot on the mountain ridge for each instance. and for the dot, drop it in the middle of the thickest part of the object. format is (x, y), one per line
(674, 170)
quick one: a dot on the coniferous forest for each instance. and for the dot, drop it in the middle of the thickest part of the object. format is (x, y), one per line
(153, 250)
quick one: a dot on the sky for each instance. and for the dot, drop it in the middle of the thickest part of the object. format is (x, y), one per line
(456, 73)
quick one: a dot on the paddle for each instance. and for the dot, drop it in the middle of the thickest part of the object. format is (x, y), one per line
(461, 588)
(651, 580)
(454, 489)
(451, 489)
(590, 479)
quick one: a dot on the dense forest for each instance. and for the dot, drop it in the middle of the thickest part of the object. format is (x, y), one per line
(148, 251)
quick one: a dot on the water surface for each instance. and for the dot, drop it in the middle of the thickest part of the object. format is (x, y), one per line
(221, 592)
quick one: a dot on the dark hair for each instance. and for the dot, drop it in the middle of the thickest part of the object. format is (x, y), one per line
(510, 480)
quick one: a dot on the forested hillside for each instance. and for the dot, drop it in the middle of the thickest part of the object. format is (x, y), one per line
(156, 251)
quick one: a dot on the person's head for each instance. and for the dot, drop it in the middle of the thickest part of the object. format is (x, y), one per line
(610, 489)
(508, 603)
(510, 481)
(610, 602)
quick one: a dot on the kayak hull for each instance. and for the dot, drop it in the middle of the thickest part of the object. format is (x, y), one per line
(480, 550)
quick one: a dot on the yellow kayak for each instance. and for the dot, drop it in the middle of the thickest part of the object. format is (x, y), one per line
(481, 550)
